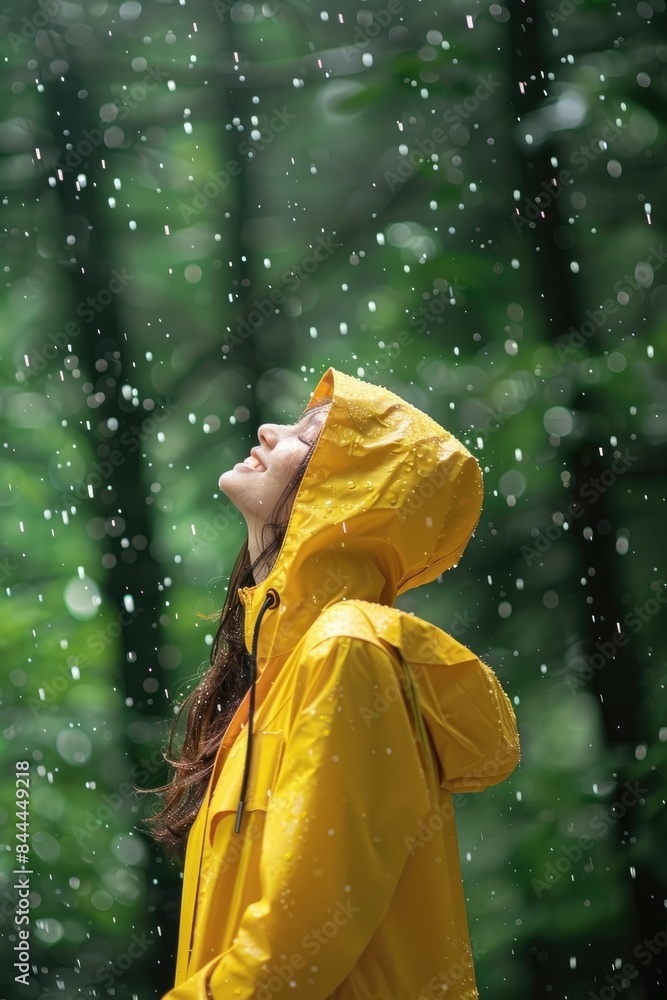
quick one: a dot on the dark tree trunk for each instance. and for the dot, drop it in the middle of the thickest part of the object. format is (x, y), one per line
(123, 497)
(616, 684)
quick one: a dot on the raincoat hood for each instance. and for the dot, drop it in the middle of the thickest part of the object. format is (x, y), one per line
(388, 502)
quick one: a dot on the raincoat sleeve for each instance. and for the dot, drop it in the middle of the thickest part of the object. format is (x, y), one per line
(476, 733)
(348, 799)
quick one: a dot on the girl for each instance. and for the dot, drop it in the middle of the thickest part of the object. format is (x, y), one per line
(314, 787)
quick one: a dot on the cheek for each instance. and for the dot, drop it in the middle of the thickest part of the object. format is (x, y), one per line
(285, 467)
(282, 473)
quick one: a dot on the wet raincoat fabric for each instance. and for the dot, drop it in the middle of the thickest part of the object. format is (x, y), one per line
(343, 881)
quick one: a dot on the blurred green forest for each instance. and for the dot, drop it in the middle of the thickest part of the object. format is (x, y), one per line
(203, 206)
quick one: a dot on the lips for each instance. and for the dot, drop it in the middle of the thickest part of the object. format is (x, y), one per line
(253, 461)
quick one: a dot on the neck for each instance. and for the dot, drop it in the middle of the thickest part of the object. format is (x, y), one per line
(255, 528)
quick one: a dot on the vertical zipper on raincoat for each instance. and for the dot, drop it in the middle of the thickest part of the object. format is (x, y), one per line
(272, 600)
(412, 693)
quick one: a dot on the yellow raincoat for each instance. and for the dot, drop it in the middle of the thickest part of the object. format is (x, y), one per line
(344, 882)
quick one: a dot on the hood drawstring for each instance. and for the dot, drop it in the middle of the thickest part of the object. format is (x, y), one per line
(272, 600)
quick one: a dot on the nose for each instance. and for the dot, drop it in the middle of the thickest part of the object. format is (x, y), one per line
(268, 434)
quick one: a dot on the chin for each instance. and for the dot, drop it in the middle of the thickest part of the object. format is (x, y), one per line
(226, 481)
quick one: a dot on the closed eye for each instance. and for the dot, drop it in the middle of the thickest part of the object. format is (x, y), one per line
(314, 422)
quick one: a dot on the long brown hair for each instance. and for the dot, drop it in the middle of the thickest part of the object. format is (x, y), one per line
(220, 691)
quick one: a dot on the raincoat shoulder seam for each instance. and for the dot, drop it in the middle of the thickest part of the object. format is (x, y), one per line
(369, 640)
(356, 624)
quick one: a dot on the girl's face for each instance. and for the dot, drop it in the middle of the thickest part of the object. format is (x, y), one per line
(255, 485)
